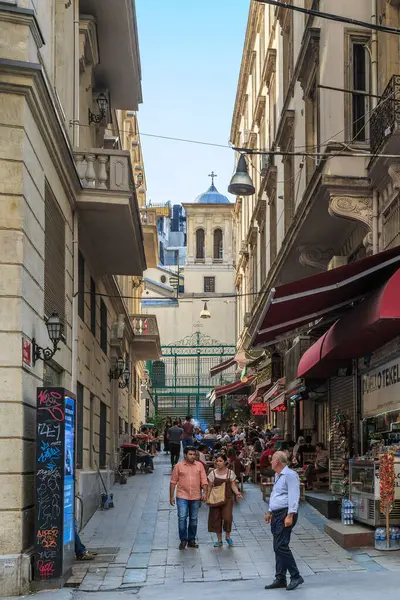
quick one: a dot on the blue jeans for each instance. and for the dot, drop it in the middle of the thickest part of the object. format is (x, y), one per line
(187, 442)
(80, 549)
(187, 509)
(284, 559)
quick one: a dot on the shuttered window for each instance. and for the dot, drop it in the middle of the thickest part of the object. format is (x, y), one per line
(103, 326)
(81, 286)
(54, 257)
(93, 307)
(341, 401)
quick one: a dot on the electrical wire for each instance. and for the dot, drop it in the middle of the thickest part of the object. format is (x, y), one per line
(331, 17)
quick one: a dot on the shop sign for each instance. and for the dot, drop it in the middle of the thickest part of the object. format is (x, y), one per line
(278, 404)
(381, 389)
(259, 409)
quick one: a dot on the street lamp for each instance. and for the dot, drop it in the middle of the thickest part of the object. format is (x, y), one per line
(205, 313)
(55, 331)
(241, 183)
(126, 376)
(117, 372)
(102, 103)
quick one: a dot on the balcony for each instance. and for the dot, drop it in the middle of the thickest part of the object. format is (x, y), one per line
(385, 120)
(146, 341)
(150, 235)
(109, 218)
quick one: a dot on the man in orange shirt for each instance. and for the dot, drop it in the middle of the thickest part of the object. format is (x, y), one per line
(191, 479)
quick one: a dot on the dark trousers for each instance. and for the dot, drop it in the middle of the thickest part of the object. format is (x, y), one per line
(311, 471)
(175, 450)
(284, 560)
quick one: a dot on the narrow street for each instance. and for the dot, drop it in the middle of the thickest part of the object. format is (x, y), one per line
(138, 542)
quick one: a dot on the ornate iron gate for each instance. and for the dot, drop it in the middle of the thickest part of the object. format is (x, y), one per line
(181, 378)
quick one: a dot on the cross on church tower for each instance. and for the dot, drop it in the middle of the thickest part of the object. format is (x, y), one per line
(212, 175)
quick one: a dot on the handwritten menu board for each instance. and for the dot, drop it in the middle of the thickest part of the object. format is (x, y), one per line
(54, 523)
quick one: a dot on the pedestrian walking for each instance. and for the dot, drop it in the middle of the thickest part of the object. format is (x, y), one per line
(220, 516)
(190, 479)
(282, 514)
(174, 436)
(188, 432)
(168, 425)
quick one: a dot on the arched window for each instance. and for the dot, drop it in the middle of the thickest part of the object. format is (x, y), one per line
(218, 245)
(200, 253)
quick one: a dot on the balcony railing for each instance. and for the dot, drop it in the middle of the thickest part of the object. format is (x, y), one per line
(385, 120)
(144, 325)
(105, 170)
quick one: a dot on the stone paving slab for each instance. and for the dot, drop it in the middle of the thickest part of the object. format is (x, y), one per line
(140, 542)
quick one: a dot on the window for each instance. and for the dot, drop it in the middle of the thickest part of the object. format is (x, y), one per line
(81, 286)
(263, 253)
(272, 110)
(134, 383)
(103, 436)
(103, 326)
(200, 250)
(54, 257)
(158, 373)
(288, 190)
(218, 245)
(93, 307)
(360, 80)
(287, 46)
(79, 425)
(209, 284)
(272, 228)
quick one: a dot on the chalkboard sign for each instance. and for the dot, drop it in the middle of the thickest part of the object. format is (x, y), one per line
(55, 491)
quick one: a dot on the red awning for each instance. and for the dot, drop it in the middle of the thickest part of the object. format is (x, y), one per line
(232, 388)
(275, 390)
(222, 366)
(295, 304)
(372, 323)
(255, 395)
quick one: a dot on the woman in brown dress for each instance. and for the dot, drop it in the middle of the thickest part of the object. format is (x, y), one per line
(221, 517)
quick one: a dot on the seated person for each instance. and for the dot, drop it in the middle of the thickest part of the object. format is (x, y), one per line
(306, 448)
(234, 463)
(265, 460)
(321, 464)
(143, 457)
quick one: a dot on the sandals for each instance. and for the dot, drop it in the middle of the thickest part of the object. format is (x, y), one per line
(218, 545)
(229, 542)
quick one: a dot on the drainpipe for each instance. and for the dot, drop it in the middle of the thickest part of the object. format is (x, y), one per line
(75, 117)
(374, 90)
(74, 351)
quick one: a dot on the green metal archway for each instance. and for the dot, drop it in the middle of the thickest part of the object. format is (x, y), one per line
(181, 378)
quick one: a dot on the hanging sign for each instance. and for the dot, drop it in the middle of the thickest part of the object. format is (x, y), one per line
(259, 409)
(278, 404)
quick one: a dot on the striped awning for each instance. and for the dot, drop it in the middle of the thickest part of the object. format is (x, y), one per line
(222, 366)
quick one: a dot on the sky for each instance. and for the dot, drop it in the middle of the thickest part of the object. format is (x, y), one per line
(190, 53)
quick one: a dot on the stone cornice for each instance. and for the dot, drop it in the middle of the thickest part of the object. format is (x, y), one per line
(286, 130)
(22, 16)
(308, 60)
(88, 44)
(27, 79)
(251, 32)
(269, 66)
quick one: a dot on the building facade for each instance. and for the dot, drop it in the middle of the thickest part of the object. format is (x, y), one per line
(324, 195)
(71, 243)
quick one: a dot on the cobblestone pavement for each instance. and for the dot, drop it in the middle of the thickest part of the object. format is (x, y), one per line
(138, 542)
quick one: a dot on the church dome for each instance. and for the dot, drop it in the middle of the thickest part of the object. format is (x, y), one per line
(212, 196)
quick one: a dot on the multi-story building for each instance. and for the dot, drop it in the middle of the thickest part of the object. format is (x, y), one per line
(71, 243)
(324, 194)
(204, 285)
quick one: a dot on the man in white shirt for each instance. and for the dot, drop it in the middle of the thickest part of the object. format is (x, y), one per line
(282, 514)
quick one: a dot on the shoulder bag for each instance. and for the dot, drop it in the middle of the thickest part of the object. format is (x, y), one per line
(217, 496)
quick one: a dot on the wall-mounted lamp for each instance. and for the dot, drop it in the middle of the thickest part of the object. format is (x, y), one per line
(121, 371)
(55, 331)
(205, 313)
(139, 180)
(102, 103)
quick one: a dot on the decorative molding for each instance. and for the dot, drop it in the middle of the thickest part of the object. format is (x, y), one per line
(394, 174)
(354, 208)
(284, 16)
(259, 109)
(309, 59)
(271, 179)
(88, 44)
(315, 257)
(23, 16)
(286, 130)
(270, 66)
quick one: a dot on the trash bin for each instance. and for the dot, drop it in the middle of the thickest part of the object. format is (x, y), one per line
(129, 457)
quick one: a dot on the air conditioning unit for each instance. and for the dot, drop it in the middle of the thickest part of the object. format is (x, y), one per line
(293, 356)
(337, 261)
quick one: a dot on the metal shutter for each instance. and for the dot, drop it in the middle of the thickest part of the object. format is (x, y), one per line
(340, 400)
(54, 258)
